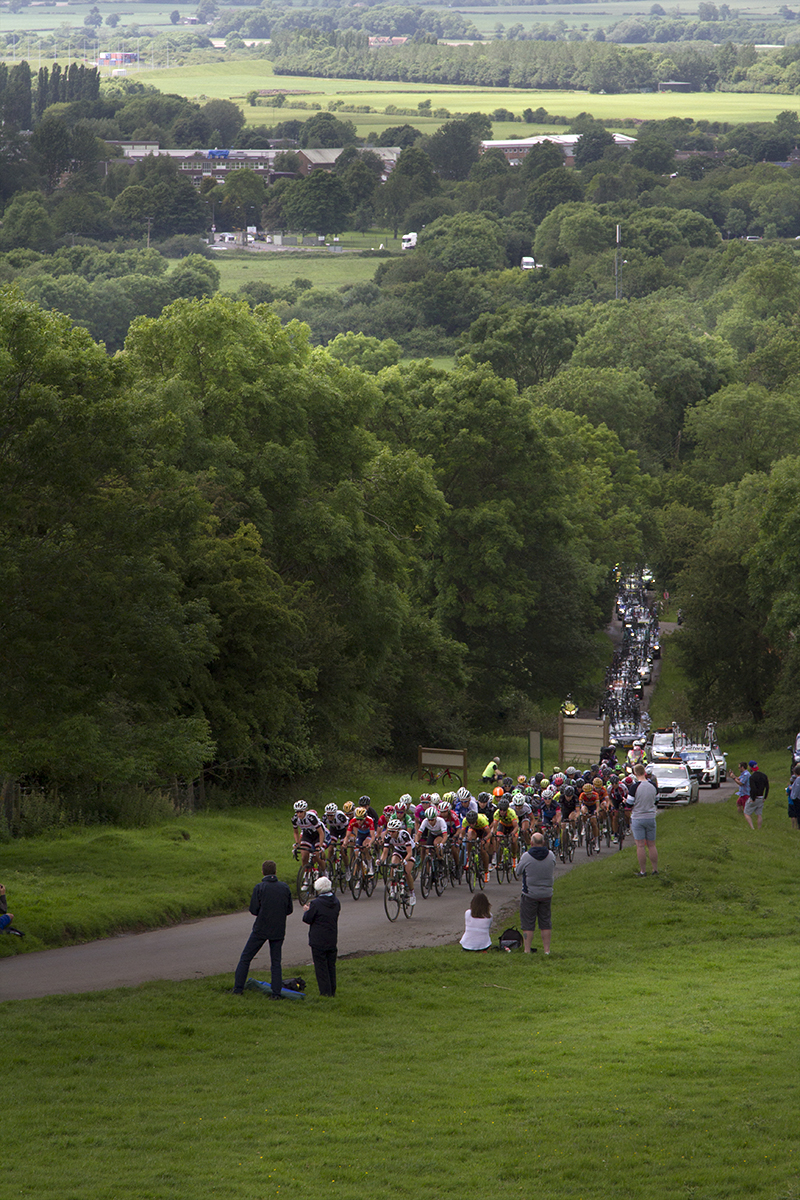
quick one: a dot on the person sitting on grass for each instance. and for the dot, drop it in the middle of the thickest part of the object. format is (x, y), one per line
(477, 924)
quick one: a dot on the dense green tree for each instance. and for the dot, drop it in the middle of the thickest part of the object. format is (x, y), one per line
(97, 642)
(225, 117)
(465, 240)
(612, 396)
(453, 149)
(740, 431)
(326, 130)
(319, 202)
(526, 344)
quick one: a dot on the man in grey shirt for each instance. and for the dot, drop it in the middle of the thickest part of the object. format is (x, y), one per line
(536, 869)
(643, 820)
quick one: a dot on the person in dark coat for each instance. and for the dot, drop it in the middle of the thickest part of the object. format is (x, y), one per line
(270, 904)
(322, 917)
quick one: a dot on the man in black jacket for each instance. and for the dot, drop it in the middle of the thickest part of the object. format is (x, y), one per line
(759, 790)
(322, 917)
(270, 904)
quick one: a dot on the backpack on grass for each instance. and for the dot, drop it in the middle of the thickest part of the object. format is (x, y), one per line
(510, 939)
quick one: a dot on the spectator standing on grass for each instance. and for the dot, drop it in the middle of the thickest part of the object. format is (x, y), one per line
(743, 780)
(759, 791)
(322, 917)
(537, 870)
(477, 924)
(794, 798)
(270, 904)
(643, 820)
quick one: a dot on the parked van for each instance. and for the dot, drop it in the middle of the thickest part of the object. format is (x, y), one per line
(409, 241)
(528, 263)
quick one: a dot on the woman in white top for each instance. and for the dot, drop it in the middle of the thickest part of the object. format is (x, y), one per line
(478, 924)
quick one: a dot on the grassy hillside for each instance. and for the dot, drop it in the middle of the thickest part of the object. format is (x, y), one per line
(649, 1057)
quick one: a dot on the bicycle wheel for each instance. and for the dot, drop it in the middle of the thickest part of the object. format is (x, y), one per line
(451, 778)
(439, 876)
(499, 864)
(426, 878)
(369, 880)
(589, 839)
(571, 845)
(479, 875)
(469, 872)
(391, 899)
(356, 879)
(510, 867)
(608, 831)
(305, 884)
(405, 899)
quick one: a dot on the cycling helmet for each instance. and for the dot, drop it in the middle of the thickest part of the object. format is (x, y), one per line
(360, 813)
(435, 798)
(588, 776)
(483, 797)
(405, 799)
(331, 810)
(558, 779)
(530, 791)
(587, 789)
(544, 782)
(521, 779)
(348, 807)
(300, 806)
(388, 810)
(394, 825)
(425, 798)
(445, 806)
(614, 779)
(431, 813)
(498, 791)
(571, 771)
(364, 801)
(539, 776)
(449, 798)
(548, 793)
(472, 817)
(402, 805)
(462, 793)
(569, 792)
(597, 782)
(503, 804)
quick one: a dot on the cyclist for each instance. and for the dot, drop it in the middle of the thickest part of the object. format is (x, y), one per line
(589, 806)
(506, 824)
(335, 823)
(450, 818)
(491, 771)
(425, 801)
(487, 808)
(365, 802)
(432, 832)
(464, 802)
(524, 814)
(308, 832)
(617, 795)
(361, 833)
(399, 843)
(475, 827)
(403, 813)
(551, 812)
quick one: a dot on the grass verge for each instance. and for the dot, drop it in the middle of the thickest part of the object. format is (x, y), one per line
(651, 1057)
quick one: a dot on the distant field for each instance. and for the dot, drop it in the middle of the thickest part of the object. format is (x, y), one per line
(281, 268)
(233, 80)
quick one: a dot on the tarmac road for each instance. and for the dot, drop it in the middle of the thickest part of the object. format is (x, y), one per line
(212, 946)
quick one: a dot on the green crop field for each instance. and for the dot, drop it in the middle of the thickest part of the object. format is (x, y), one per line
(233, 80)
(282, 268)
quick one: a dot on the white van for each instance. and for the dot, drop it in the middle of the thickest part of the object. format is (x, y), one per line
(528, 263)
(409, 241)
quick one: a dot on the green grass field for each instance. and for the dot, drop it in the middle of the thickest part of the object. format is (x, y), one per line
(649, 1057)
(233, 80)
(282, 268)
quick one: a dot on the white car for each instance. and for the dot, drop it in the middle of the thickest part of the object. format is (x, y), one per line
(674, 785)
